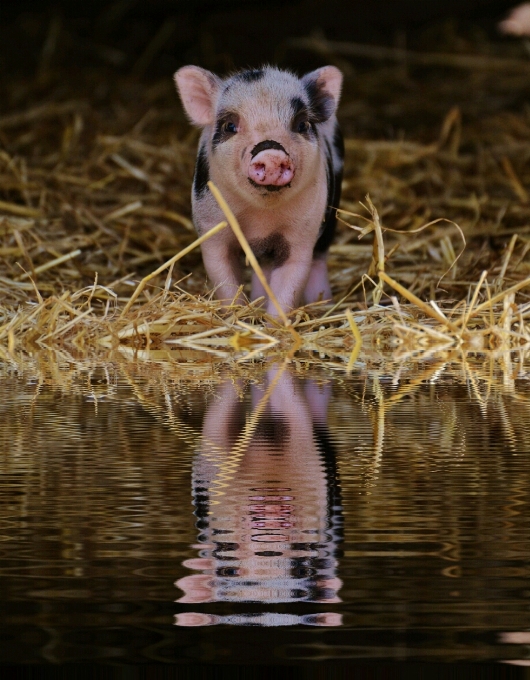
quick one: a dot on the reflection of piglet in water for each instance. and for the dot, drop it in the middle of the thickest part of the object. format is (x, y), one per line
(272, 145)
(268, 507)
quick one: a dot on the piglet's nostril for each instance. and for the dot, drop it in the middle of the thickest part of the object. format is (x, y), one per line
(259, 170)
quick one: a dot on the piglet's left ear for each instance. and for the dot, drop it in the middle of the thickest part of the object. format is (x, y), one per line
(323, 87)
(198, 91)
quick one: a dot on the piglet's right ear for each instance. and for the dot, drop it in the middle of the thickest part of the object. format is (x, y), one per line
(198, 90)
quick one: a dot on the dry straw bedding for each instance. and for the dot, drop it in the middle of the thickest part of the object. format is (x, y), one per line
(432, 250)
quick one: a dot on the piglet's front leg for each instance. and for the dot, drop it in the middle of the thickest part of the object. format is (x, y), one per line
(288, 282)
(224, 270)
(317, 288)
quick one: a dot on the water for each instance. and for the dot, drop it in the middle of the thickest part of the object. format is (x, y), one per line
(186, 513)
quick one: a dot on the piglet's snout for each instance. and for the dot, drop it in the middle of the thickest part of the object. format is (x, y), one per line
(271, 167)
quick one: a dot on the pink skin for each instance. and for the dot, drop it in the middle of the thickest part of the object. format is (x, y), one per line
(195, 619)
(317, 287)
(271, 167)
(518, 21)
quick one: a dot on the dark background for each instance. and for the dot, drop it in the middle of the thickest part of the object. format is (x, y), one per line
(215, 34)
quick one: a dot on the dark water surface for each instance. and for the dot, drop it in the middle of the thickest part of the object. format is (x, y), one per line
(277, 517)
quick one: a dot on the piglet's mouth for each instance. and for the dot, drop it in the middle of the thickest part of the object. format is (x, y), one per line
(269, 187)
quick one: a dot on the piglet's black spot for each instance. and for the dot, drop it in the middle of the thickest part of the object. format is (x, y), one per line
(224, 125)
(273, 249)
(267, 144)
(251, 75)
(272, 429)
(321, 102)
(301, 117)
(338, 141)
(334, 179)
(298, 106)
(202, 173)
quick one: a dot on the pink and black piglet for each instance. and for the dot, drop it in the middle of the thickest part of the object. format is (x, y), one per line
(272, 145)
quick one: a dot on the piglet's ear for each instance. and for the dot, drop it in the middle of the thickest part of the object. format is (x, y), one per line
(323, 87)
(198, 91)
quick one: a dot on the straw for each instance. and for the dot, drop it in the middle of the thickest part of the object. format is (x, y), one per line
(170, 262)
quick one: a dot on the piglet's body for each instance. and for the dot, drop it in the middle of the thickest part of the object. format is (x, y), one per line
(272, 145)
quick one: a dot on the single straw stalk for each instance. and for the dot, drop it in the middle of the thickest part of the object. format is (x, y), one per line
(507, 258)
(358, 340)
(473, 301)
(378, 261)
(51, 264)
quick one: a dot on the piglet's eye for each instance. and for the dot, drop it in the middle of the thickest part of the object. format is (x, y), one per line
(230, 127)
(303, 126)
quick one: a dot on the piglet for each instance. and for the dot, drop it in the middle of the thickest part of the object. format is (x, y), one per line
(272, 145)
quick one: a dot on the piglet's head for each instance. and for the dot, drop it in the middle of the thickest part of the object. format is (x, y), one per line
(261, 126)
